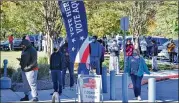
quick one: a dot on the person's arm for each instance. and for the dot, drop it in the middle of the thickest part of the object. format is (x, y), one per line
(24, 60)
(146, 70)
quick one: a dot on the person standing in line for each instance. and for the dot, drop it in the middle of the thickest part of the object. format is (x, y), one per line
(67, 64)
(149, 46)
(136, 67)
(129, 48)
(95, 55)
(114, 57)
(56, 69)
(154, 56)
(11, 39)
(171, 51)
(102, 55)
(29, 66)
(143, 45)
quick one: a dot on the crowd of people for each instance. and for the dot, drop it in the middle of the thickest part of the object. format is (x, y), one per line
(60, 62)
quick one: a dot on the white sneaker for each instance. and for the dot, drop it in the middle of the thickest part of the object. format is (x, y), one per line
(139, 98)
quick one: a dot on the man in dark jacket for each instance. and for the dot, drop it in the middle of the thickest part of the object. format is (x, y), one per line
(154, 55)
(56, 70)
(29, 68)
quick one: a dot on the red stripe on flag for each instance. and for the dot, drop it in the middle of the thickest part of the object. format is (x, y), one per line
(85, 55)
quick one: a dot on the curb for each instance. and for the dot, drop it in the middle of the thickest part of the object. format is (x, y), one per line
(158, 79)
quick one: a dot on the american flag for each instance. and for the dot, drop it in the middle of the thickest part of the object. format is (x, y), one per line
(89, 83)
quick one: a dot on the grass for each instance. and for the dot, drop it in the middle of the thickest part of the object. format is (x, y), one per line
(11, 57)
(14, 71)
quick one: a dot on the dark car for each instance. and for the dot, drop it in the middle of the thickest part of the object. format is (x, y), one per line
(160, 41)
(4, 45)
(16, 44)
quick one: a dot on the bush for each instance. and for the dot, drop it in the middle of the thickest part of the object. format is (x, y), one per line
(42, 73)
(10, 71)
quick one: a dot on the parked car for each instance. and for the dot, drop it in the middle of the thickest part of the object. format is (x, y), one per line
(160, 41)
(164, 53)
(16, 43)
(4, 45)
(34, 40)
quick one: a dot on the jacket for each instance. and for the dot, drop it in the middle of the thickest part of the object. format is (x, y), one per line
(114, 50)
(171, 47)
(56, 60)
(64, 50)
(154, 50)
(142, 67)
(129, 49)
(29, 57)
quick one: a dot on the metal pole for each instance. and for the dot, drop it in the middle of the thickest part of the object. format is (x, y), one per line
(151, 90)
(104, 79)
(112, 85)
(5, 67)
(124, 87)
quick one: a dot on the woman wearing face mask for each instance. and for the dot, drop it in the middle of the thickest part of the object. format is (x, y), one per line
(114, 57)
(135, 67)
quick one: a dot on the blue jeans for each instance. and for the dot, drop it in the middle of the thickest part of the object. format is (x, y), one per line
(136, 81)
(57, 80)
(70, 68)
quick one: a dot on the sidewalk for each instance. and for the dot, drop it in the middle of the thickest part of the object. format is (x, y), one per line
(165, 91)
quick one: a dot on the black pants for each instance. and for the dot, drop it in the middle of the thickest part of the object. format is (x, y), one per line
(171, 56)
(101, 62)
(136, 81)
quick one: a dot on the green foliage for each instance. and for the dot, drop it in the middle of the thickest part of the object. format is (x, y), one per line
(146, 17)
(43, 71)
(10, 71)
(43, 68)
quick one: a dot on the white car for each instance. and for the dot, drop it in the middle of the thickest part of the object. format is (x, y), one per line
(164, 53)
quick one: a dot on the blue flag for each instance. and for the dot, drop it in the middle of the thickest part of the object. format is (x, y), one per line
(74, 17)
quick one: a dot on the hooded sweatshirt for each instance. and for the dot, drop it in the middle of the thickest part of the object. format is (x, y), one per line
(29, 57)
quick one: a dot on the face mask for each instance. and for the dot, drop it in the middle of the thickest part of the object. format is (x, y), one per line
(93, 40)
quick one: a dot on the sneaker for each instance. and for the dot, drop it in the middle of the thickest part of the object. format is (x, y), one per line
(139, 98)
(34, 99)
(26, 98)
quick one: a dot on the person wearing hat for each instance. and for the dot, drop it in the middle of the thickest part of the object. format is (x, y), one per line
(56, 69)
(136, 67)
(29, 67)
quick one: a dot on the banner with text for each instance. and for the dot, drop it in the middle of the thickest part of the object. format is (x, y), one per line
(74, 17)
